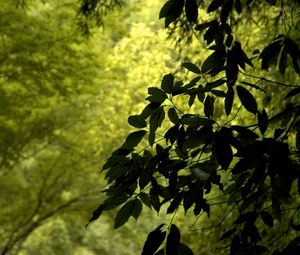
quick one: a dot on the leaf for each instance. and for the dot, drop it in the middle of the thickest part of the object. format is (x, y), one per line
(223, 153)
(172, 114)
(294, 52)
(267, 218)
(218, 93)
(283, 61)
(228, 234)
(200, 174)
(154, 199)
(124, 213)
(173, 241)
(226, 9)
(184, 250)
(238, 6)
(270, 53)
(167, 83)
(195, 120)
(192, 100)
(247, 99)
(175, 203)
(97, 213)
(137, 121)
(156, 119)
(138, 206)
(253, 86)
(133, 139)
(191, 10)
(293, 92)
(296, 227)
(165, 10)
(145, 199)
(205, 25)
(214, 5)
(210, 85)
(191, 67)
(229, 100)
(156, 95)
(209, 106)
(149, 110)
(262, 121)
(248, 217)
(154, 240)
(214, 63)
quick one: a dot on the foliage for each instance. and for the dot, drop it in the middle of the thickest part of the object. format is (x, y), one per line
(226, 136)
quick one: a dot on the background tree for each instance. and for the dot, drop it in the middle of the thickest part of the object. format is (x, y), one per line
(231, 129)
(62, 113)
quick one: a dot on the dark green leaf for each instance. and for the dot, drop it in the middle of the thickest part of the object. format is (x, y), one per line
(214, 5)
(173, 115)
(154, 199)
(282, 61)
(156, 95)
(247, 99)
(229, 100)
(173, 241)
(191, 67)
(209, 106)
(195, 120)
(238, 6)
(294, 52)
(214, 63)
(228, 233)
(171, 134)
(156, 119)
(296, 227)
(151, 137)
(167, 83)
(97, 213)
(218, 93)
(191, 10)
(270, 53)
(175, 203)
(165, 10)
(154, 240)
(192, 100)
(267, 218)
(249, 217)
(210, 85)
(138, 206)
(137, 121)
(262, 121)
(253, 86)
(223, 153)
(149, 110)
(133, 139)
(293, 92)
(184, 250)
(205, 25)
(226, 9)
(145, 199)
(124, 213)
